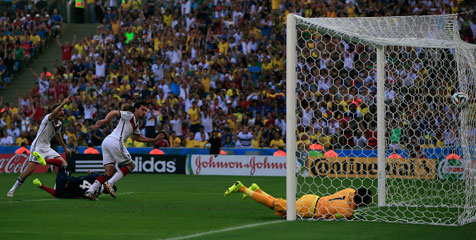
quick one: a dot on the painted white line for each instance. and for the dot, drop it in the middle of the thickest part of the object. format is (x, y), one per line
(225, 230)
(51, 199)
(32, 200)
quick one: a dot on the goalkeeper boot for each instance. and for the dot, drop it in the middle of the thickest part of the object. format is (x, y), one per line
(37, 182)
(39, 158)
(253, 188)
(110, 189)
(234, 188)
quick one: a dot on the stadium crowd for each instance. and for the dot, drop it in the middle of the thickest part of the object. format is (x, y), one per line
(25, 30)
(205, 66)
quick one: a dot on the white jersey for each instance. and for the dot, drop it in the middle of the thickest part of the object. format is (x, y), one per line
(45, 133)
(127, 126)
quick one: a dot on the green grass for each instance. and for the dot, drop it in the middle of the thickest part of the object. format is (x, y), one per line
(170, 206)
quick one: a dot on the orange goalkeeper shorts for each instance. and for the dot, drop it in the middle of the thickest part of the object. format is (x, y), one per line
(305, 206)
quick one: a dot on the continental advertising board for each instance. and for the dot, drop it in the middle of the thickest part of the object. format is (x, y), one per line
(358, 167)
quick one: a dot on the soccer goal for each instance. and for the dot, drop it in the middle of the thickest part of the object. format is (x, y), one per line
(377, 91)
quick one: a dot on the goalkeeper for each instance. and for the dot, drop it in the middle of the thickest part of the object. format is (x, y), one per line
(336, 206)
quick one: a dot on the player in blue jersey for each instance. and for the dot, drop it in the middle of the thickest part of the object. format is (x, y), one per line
(68, 186)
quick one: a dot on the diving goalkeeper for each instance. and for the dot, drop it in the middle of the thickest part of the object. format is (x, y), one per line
(336, 206)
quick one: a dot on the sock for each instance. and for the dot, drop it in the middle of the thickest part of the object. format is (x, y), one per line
(55, 162)
(49, 190)
(264, 193)
(246, 191)
(263, 199)
(123, 171)
(99, 181)
(17, 184)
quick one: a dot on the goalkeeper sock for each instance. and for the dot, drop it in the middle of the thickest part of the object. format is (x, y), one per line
(263, 199)
(246, 191)
(264, 193)
(49, 190)
(55, 162)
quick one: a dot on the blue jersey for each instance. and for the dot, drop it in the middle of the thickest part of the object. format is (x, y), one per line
(68, 186)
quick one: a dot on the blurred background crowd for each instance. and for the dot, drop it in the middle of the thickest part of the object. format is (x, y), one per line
(201, 66)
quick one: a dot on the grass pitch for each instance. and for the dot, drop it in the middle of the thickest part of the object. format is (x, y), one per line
(153, 206)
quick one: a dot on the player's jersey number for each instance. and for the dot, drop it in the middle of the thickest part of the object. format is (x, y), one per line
(85, 185)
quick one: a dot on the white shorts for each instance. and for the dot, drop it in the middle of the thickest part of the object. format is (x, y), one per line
(45, 152)
(114, 151)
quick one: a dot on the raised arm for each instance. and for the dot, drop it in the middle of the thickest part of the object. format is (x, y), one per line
(57, 109)
(109, 116)
(58, 41)
(34, 73)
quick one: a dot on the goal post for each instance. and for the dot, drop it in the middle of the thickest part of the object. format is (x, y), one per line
(377, 91)
(291, 64)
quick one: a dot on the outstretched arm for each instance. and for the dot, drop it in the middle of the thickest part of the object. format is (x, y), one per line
(108, 118)
(140, 138)
(57, 109)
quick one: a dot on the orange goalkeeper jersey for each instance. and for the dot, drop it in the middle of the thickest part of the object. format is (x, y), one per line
(341, 202)
(311, 206)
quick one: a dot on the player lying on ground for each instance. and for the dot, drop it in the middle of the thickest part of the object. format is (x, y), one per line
(50, 126)
(68, 186)
(338, 205)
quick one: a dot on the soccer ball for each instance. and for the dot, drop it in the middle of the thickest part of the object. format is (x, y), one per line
(460, 99)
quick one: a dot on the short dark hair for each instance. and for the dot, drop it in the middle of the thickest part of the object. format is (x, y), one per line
(23, 144)
(139, 104)
(363, 197)
(54, 107)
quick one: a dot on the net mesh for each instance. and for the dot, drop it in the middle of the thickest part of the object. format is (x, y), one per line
(429, 143)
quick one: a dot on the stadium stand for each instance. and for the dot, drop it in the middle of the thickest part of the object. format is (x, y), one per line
(200, 65)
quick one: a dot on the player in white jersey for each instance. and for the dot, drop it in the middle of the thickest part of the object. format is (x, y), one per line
(114, 150)
(50, 126)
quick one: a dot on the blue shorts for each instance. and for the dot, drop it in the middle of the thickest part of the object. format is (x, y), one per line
(61, 180)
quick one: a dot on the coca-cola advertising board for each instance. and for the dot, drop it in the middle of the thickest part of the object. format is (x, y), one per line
(243, 165)
(16, 163)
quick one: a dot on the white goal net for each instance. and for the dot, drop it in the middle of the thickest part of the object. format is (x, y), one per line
(375, 94)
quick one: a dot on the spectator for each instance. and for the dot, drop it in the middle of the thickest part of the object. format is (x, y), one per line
(280, 152)
(244, 138)
(215, 143)
(277, 141)
(91, 10)
(56, 22)
(191, 142)
(174, 140)
(5, 139)
(66, 48)
(91, 149)
(23, 150)
(156, 151)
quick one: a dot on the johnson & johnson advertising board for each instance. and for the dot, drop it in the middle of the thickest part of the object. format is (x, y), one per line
(244, 165)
